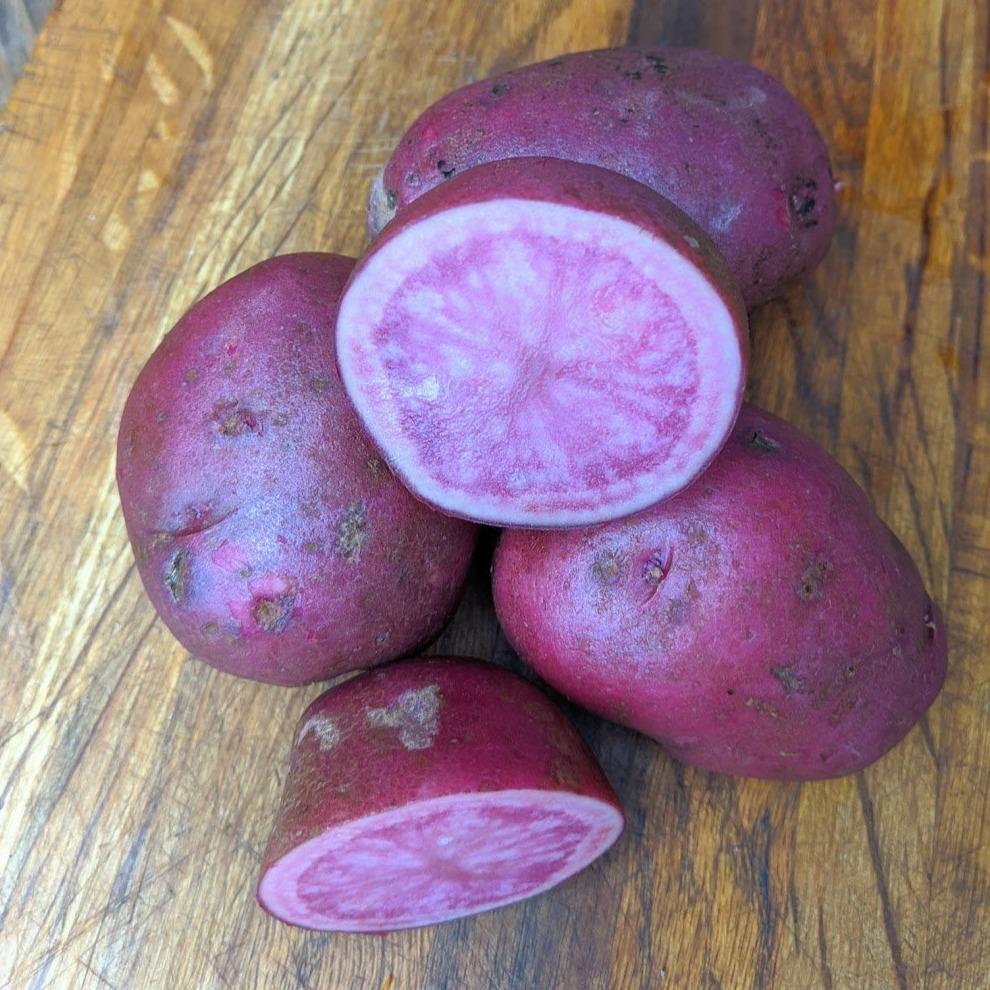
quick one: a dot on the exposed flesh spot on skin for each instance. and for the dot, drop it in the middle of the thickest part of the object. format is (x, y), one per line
(352, 532)
(414, 713)
(325, 729)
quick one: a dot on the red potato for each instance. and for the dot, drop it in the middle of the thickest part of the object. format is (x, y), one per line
(270, 537)
(765, 622)
(543, 343)
(429, 790)
(723, 141)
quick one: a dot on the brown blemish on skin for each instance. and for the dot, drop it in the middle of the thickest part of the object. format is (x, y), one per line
(790, 681)
(319, 383)
(273, 614)
(209, 629)
(177, 577)
(234, 419)
(414, 713)
(191, 375)
(352, 532)
(763, 707)
(606, 568)
(159, 539)
(811, 586)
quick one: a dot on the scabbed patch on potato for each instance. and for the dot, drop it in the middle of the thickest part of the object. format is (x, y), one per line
(723, 141)
(270, 536)
(429, 790)
(543, 343)
(764, 622)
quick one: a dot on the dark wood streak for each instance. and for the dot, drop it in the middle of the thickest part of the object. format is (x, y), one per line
(825, 969)
(880, 875)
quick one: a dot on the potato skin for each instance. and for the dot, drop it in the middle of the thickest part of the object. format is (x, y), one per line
(452, 725)
(722, 140)
(764, 622)
(270, 537)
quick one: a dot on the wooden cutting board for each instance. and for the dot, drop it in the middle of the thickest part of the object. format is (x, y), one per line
(153, 149)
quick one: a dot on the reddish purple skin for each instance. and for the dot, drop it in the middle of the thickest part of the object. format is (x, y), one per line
(270, 537)
(586, 188)
(764, 622)
(494, 731)
(723, 141)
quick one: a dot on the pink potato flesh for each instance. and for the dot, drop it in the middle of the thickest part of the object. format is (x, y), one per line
(723, 141)
(542, 343)
(429, 790)
(765, 622)
(271, 538)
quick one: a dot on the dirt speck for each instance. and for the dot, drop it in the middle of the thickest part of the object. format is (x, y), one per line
(788, 679)
(758, 440)
(325, 729)
(657, 64)
(352, 532)
(415, 713)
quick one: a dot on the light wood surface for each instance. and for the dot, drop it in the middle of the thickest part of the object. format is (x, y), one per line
(152, 150)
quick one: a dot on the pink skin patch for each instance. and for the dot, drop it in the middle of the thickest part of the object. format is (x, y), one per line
(231, 558)
(540, 365)
(438, 859)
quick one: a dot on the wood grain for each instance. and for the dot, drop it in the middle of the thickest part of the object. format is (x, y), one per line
(151, 151)
(19, 24)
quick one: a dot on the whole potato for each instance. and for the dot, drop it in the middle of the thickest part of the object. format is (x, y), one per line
(763, 622)
(723, 141)
(270, 537)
